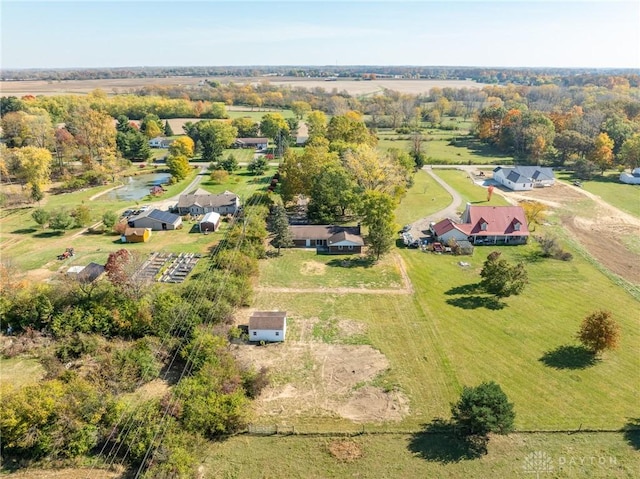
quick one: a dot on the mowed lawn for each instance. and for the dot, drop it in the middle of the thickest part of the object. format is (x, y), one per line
(419, 456)
(301, 268)
(468, 190)
(425, 197)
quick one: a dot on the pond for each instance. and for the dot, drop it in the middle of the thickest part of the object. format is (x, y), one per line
(137, 187)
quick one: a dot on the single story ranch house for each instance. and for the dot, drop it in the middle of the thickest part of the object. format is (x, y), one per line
(328, 238)
(257, 143)
(522, 178)
(485, 225)
(202, 202)
(268, 326)
(632, 178)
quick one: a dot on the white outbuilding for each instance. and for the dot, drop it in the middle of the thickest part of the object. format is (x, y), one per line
(270, 326)
(210, 222)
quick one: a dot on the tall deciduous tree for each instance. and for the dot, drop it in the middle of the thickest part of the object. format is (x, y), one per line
(378, 215)
(178, 167)
(183, 146)
(300, 109)
(317, 124)
(502, 279)
(215, 136)
(279, 226)
(602, 153)
(34, 166)
(599, 331)
(95, 134)
(247, 128)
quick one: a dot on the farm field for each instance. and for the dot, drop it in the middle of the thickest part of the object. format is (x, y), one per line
(353, 87)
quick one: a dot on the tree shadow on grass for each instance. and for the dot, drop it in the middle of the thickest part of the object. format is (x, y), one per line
(438, 442)
(475, 302)
(465, 289)
(477, 147)
(49, 234)
(632, 432)
(24, 231)
(569, 357)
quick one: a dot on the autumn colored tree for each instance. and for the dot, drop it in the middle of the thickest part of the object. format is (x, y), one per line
(273, 124)
(502, 279)
(178, 167)
(300, 109)
(183, 146)
(316, 124)
(534, 211)
(247, 128)
(64, 146)
(599, 331)
(95, 134)
(34, 166)
(121, 268)
(151, 126)
(602, 153)
(373, 170)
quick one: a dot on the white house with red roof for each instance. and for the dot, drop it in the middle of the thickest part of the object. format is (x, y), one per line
(485, 225)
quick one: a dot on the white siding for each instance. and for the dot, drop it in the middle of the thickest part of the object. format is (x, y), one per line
(267, 335)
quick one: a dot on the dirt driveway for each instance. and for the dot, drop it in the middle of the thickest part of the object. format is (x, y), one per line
(603, 230)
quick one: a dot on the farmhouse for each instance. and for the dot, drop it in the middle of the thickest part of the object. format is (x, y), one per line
(257, 143)
(136, 235)
(160, 142)
(157, 220)
(328, 238)
(485, 225)
(632, 178)
(268, 326)
(210, 222)
(521, 178)
(202, 202)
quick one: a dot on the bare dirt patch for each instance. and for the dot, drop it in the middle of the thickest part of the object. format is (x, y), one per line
(346, 451)
(595, 224)
(66, 474)
(324, 380)
(313, 268)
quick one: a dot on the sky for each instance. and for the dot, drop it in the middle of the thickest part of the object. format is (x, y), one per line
(503, 33)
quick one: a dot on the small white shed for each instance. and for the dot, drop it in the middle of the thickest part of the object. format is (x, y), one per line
(210, 222)
(268, 326)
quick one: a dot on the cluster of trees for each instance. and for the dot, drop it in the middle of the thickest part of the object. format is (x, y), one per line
(344, 175)
(594, 128)
(112, 336)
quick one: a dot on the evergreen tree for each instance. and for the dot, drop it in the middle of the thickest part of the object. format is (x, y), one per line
(167, 129)
(279, 226)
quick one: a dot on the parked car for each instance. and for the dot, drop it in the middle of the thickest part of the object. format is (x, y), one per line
(406, 228)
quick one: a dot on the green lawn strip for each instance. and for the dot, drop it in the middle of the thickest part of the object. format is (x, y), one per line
(610, 189)
(256, 115)
(425, 197)
(407, 455)
(242, 183)
(297, 268)
(468, 190)
(466, 150)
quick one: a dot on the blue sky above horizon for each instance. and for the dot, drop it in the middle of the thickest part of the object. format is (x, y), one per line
(536, 33)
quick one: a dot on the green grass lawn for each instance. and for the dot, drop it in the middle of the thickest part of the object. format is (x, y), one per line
(297, 268)
(414, 456)
(468, 190)
(257, 113)
(242, 183)
(425, 197)
(466, 150)
(610, 189)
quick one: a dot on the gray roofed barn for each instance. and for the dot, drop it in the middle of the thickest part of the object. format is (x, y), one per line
(157, 220)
